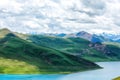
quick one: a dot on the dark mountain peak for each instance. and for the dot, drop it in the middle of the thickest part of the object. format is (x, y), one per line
(10, 35)
(84, 35)
(81, 33)
(7, 37)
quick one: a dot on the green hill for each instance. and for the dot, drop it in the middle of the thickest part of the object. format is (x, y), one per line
(4, 32)
(20, 56)
(79, 47)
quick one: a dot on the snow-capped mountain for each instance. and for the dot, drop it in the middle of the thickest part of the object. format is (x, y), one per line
(104, 37)
(111, 37)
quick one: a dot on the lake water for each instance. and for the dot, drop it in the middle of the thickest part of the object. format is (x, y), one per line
(110, 71)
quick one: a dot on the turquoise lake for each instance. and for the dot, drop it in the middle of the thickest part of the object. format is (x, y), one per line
(110, 70)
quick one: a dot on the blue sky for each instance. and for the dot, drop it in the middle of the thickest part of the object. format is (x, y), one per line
(60, 16)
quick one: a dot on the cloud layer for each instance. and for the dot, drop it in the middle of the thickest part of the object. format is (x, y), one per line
(58, 16)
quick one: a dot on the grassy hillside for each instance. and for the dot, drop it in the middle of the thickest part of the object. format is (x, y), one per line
(74, 46)
(71, 45)
(4, 32)
(20, 56)
(79, 47)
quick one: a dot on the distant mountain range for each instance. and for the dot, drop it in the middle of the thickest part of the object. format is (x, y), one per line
(103, 37)
(111, 37)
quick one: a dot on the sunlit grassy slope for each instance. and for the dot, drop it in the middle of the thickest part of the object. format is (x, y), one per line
(15, 66)
(20, 56)
(118, 78)
(4, 32)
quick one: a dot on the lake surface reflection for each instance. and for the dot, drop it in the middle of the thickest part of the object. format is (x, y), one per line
(110, 70)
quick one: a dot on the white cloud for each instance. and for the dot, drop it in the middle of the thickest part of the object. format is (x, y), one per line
(60, 15)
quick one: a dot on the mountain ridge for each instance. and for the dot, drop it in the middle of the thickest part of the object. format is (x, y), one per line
(38, 59)
(102, 37)
(97, 50)
(79, 46)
